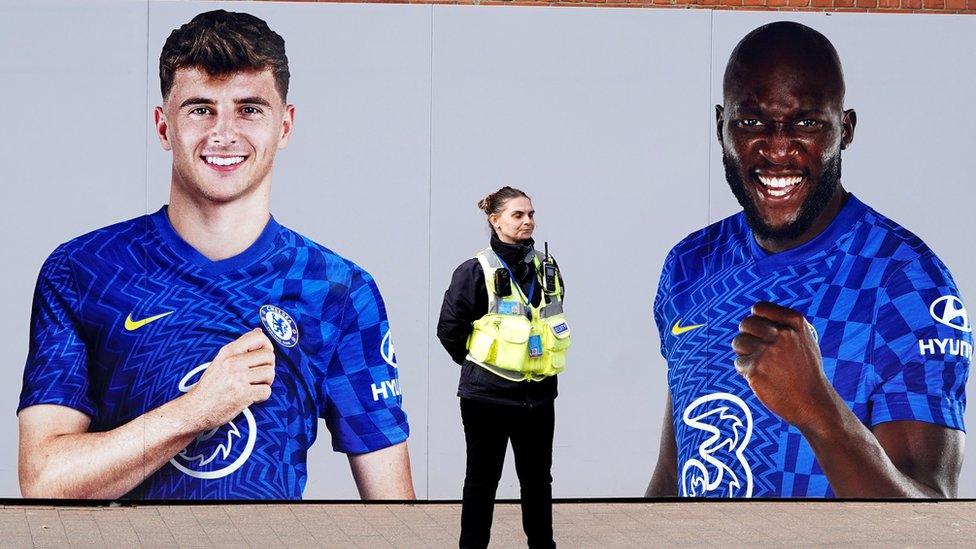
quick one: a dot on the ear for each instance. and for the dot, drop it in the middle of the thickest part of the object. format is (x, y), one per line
(719, 122)
(492, 219)
(848, 122)
(287, 124)
(162, 128)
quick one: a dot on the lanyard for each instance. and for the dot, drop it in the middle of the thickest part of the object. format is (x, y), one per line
(518, 286)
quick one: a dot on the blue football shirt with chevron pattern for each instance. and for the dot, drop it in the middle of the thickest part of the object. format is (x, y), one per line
(127, 318)
(895, 339)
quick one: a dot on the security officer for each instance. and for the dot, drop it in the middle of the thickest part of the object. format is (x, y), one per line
(502, 321)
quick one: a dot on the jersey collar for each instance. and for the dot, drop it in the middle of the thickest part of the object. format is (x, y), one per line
(849, 214)
(256, 251)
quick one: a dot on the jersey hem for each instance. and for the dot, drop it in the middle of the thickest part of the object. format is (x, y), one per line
(87, 410)
(391, 441)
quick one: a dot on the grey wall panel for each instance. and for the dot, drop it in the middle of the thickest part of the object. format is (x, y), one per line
(407, 115)
(355, 174)
(71, 150)
(908, 79)
(598, 116)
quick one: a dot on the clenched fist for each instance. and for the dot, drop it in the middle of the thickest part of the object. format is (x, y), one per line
(240, 375)
(778, 355)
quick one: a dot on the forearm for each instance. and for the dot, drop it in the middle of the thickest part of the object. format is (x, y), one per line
(453, 334)
(456, 346)
(664, 479)
(854, 461)
(465, 301)
(383, 474)
(664, 484)
(106, 465)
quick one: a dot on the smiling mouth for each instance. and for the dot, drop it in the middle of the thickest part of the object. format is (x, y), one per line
(779, 186)
(223, 162)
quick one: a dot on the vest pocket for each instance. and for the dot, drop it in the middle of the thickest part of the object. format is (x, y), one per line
(556, 336)
(481, 342)
(555, 340)
(513, 335)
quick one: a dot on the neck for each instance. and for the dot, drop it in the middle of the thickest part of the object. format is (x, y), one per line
(776, 245)
(508, 240)
(219, 230)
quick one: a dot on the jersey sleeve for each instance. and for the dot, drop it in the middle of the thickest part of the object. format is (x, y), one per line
(56, 371)
(922, 347)
(663, 291)
(363, 405)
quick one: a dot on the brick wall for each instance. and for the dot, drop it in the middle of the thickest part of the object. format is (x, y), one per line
(873, 6)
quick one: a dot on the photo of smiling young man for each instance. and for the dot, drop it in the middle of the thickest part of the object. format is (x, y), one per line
(189, 353)
(815, 348)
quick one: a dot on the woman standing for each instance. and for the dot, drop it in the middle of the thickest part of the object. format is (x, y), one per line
(502, 321)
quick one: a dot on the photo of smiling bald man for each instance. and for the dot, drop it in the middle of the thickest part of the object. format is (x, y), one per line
(815, 347)
(190, 353)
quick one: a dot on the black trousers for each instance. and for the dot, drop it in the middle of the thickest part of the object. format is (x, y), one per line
(487, 430)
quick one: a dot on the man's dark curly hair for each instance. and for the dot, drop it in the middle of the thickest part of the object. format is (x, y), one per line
(220, 43)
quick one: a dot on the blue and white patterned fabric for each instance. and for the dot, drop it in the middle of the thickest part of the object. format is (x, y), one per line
(894, 335)
(95, 347)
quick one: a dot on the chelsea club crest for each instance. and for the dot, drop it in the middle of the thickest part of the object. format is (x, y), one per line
(279, 324)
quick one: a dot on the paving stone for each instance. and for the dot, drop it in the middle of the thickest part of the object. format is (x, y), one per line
(184, 527)
(78, 528)
(638, 524)
(215, 524)
(46, 529)
(115, 528)
(15, 529)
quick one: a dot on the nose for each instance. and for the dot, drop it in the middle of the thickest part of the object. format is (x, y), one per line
(224, 130)
(778, 147)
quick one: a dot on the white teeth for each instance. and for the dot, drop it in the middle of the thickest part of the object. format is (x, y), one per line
(224, 160)
(775, 184)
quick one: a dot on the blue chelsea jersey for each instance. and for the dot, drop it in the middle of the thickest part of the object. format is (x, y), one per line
(128, 317)
(895, 339)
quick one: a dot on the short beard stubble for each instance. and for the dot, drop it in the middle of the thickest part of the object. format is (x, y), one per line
(810, 209)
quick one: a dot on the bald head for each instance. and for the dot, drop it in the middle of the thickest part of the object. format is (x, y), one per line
(791, 51)
(782, 128)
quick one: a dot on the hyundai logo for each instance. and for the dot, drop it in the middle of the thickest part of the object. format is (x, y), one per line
(950, 311)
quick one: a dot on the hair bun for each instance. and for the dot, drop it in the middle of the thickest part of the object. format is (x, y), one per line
(485, 203)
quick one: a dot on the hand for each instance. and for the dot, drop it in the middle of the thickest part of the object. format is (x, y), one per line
(779, 357)
(240, 375)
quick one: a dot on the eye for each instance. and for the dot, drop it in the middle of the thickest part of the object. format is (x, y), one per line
(200, 111)
(808, 123)
(251, 111)
(749, 123)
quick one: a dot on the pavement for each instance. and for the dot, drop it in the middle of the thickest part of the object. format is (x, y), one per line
(625, 524)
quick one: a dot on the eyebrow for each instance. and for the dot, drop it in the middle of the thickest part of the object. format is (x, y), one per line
(812, 113)
(254, 100)
(752, 110)
(196, 101)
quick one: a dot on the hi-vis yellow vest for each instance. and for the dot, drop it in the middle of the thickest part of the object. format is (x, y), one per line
(499, 341)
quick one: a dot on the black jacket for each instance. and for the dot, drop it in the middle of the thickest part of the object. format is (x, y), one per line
(465, 301)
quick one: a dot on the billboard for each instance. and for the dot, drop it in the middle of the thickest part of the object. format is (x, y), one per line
(404, 117)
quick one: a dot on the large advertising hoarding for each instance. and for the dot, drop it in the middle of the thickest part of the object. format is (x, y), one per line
(406, 116)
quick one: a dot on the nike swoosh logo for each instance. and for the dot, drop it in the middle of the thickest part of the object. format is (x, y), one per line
(132, 325)
(678, 329)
